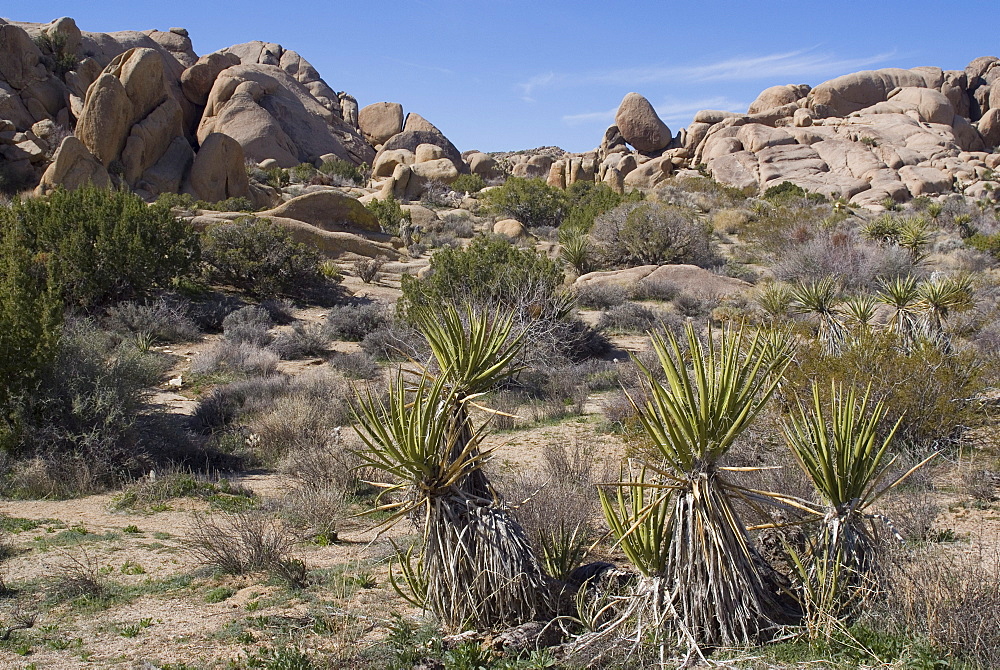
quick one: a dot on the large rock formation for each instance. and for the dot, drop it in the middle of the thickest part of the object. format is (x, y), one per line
(273, 116)
(142, 103)
(865, 137)
(639, 124)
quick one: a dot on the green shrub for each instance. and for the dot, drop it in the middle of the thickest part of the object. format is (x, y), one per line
(490, 272)
(649, 233)
(389, 214)
(989, 244)
(344, 169)
(931, 389)
(786, 190)
(530, 201)
(30, 318)
(187, 201)
(102, 245)
(468, 183)
(260, 258)
(588, 200)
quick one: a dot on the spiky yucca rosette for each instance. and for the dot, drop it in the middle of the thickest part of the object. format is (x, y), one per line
(704, 584)
(475, 566)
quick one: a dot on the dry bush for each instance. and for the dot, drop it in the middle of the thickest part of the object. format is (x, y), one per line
(369, 269)
(53, 475)
(655, 289)
(854, 262)
(281, 310)
(302, 341)
(558, 504)
(601, 296)
(77, 576)
(627, 318)
(951, 598)
(248, 325)
(312, 407)
(239, 357)
(395, 341)
(164, 321)
(645, 233)
(251, 541)
(225, 403)
(355, 366)
(354, 322)
(327, 476)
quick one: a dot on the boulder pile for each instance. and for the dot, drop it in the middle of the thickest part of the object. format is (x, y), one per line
(866, 137)
(142, 110)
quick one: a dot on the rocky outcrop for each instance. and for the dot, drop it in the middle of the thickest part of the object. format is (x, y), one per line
(297, 67)
(639, 124)
(72, 167)
(411, 139)
(328, 210)
(130, 119)
(218, 171)
(864, 137)
(379, 121)
(273, 116)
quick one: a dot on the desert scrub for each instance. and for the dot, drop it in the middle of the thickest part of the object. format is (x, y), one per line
(355, 174)
(648, 233)
(530, 201)
(389, 214)
(161, 320)
(259, 257)
(83, 420)
(98, 245)
(490, 271)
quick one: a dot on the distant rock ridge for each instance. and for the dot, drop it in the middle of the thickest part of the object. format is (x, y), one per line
(868, 137)
(142, 110)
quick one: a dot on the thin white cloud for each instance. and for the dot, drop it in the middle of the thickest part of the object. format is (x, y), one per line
(671, 111)
(793, 65)
(538, 81)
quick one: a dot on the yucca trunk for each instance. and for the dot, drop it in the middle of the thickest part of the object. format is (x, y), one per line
(478, 566)
(723, 593)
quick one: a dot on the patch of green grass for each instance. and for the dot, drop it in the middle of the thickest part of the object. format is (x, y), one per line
(218, 594)
(153, 495)
(132, 568)
(134, 628)
(131, 529)
(160, 535)
(14, 524)
(73, 536)
(857, 646)
(113, 594)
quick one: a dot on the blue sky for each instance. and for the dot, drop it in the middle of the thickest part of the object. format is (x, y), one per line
(516, 74)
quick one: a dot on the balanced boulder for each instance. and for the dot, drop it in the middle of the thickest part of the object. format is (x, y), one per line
(639, 124)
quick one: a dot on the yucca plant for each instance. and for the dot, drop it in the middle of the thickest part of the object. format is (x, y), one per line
(941, 297)
(575, 250)
(821, 299)
(842, 453)
(859, 310)
(774, 299)
(902, 294)
(704, 582)
(476, 567)
(914, 236)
